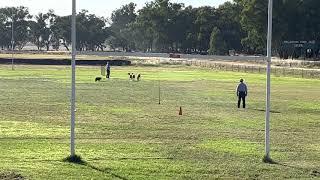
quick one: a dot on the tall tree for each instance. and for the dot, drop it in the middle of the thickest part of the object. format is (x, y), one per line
(92, 31)
(217, 44)
(19, 16)
(41, 29)
(254, 22)
(228, 15)
(121, 19)
(61, 32)
(206, 20)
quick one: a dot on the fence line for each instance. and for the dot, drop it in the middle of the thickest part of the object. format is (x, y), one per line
(223, 66)
(276, 71)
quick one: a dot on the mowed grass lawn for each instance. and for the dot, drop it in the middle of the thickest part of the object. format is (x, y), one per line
(123, 133)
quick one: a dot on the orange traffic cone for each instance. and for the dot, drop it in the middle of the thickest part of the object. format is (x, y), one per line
(180, 111)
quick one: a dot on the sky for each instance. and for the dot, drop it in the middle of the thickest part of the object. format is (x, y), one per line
(98, 7)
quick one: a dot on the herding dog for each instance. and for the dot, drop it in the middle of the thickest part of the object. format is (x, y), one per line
(138, 77)
(98, 79)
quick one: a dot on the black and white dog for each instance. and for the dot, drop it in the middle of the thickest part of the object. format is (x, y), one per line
(133, 77)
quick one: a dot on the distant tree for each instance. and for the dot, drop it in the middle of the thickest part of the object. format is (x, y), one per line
(19, 16)
(4, 38)
(41, 29)
(121, 20)
(165, 26)
(187, 19)
(143, 29)
(61, 32)
(292, 20)
(161, 26)
(218, 45)
(254, 23)
(228, 15)
(92, 31)
(206, 20)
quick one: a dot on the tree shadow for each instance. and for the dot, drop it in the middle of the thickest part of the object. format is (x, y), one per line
(79, 161)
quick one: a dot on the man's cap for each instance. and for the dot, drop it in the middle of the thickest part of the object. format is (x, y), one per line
(241, 80)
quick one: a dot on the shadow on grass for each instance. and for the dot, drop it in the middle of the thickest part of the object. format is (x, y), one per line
(79, 161)
(268, 160)
(314, 173)
(271, 111)
(147, 158)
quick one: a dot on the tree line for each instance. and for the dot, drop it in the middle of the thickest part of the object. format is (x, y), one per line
(163, 26)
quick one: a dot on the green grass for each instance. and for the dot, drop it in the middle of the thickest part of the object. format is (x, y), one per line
(123, 133)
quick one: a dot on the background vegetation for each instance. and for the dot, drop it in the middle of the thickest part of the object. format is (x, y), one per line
(163, 26)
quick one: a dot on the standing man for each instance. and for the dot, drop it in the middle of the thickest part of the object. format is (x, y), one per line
(108, 70)
(242, 92)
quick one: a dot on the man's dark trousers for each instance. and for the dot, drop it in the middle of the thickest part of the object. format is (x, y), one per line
(108, 73)
(242, 95)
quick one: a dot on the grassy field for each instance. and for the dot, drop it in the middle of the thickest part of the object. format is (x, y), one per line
(123, 133)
